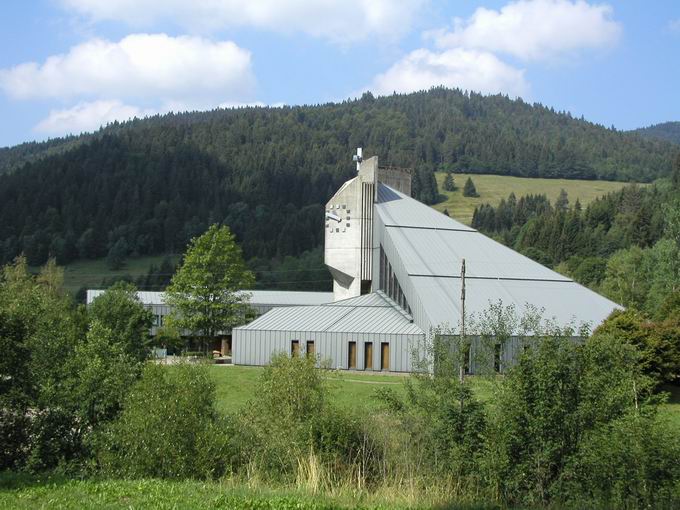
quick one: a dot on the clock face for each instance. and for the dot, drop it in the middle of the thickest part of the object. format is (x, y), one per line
(335, 215)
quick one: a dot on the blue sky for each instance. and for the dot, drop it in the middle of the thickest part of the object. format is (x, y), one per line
(71, 65)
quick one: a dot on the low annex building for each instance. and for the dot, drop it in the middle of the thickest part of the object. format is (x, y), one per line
(396, 267)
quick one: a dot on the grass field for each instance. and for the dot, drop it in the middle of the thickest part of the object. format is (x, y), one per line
(493, 188)
(90, 273)
(24, 492)
(236, 385)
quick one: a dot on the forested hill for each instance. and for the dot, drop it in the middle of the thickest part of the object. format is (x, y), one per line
(147, 186)
(668, 131)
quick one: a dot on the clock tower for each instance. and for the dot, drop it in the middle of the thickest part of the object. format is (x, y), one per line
(348, 247)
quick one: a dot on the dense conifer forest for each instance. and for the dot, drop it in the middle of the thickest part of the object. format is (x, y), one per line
(669, 131)
(148, 186)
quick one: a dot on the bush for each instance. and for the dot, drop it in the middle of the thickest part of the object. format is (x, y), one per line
(120, 310)
(557, 394)
(631, 462)
(168, 428)
(289, 430)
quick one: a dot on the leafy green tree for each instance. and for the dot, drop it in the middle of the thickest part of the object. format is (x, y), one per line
(555, 394)
(168, 428)
(469, 189)
(626, 279)
(117, 254)
(208, 291)
(449, 183)
(101, 373)
(120, 311)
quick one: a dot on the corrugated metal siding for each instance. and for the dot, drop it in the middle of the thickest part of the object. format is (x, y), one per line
(256, 347)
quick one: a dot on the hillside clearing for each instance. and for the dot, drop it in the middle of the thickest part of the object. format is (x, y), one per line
(493, 188)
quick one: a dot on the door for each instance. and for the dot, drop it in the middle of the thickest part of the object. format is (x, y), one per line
(310, 348)
(384, 356)
(368, 356)
(295, 348)
(352, 356)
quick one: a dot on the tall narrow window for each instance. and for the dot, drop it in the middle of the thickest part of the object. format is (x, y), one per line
(384, 356)
(497, 357)
(310, 349)
(368, 356)
(295, 348)
(352, 356)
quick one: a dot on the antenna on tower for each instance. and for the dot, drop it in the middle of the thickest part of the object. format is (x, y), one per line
(358, 157)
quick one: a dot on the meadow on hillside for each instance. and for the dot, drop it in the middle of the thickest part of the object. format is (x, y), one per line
(493, 188)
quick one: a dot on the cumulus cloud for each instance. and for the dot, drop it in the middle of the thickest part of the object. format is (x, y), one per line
(340, 21)
(140, 65)
(534, 29)
(88, 116)
(458, 67)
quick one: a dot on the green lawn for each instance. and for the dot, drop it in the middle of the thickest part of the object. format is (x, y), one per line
(90, 273)
(493, 188)
(236, 385)
(17, 492)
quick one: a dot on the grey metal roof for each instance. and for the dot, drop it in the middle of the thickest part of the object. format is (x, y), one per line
(371, 313)
(258, 297)
(397, 209)
(431, 251)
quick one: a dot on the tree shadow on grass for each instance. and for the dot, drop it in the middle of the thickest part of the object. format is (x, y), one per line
(14, 480)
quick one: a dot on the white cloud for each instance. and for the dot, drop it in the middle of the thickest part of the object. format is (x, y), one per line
(88, 116)
(139, 66)
(341, 21)
(534, 29)
(458, 67)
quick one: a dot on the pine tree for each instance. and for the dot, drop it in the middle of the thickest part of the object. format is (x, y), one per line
(676, 172)
(449, 183)
(469, 189)
(562, 202)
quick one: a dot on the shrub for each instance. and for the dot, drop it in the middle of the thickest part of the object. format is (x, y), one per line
(631, 462)
(558, 392)
(168, 428)
(289, 431)
(120, 310)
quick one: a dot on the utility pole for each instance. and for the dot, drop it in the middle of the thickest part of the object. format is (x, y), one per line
(462, 322)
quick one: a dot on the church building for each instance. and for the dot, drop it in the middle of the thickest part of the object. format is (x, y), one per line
(397, 275)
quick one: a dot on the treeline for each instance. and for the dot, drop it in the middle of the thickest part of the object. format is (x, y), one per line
(669, 131)
(266, 172)
(625, 244)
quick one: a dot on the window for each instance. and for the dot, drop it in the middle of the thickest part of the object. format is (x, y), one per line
(310, 349)
(352, 356)
(294, 348)
(384, 356)
(368, 356)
